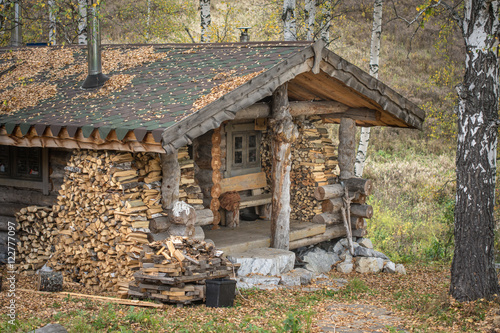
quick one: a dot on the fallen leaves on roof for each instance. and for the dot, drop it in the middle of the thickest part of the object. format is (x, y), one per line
(115, 83)
(25, 95)
(116, 60)
(222, 89)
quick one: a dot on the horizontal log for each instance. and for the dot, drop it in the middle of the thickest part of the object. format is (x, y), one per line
(364, 186)
(27, 197)
(256, 200)
(336, 218)
(332, 205)
(329, 192)
(359, 233)
(204, 217)
(299, 108)
(10, 209)
(365, 211)
(4, 222)
(331, 232)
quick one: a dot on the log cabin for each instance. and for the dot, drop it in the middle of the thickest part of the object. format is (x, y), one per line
(234, 129)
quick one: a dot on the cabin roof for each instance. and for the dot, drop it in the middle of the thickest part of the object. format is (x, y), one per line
(169, 94)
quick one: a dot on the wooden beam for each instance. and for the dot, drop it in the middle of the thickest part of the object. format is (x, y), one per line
(171, 177)
(363, 114)
(347, 147)
(283, 134)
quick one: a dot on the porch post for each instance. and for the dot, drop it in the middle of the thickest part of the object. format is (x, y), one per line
(283, 133)
(347, 148)
(171, 176)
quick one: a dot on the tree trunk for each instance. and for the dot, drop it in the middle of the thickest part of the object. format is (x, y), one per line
(52, 22)
(284, 133)
(326, 23)
(205, 20)
(310, 13)
(216, 177)
(364, 138)
(82, 22)
(171, 177)
(289, 21)
(347, 147)
(473, 273)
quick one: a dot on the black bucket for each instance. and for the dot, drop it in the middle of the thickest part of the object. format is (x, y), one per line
(220, 292)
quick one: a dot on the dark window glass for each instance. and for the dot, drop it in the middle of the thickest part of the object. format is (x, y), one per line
(238, 142)
(238, 157)
(21, 163)
(252, 141)
(4, 160)
(252, 155)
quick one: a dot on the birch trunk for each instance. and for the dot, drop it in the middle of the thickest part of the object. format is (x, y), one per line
(325, 26)
(52, 22)
(205, 20)
(82, 23)
(284, 133)
(310, 13)
(473, 273)
(289, 21)
(364, 137)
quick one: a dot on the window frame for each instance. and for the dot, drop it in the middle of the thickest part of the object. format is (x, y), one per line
(41, 183)
(245, 131)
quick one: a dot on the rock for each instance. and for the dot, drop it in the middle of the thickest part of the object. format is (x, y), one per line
(265, 261)
(345, 267)
(400, 269)
(50, 328)
(338, 248)
(369, 265)
(365, 242)
(258, 281)
(390, 267)
(296, 277)
(365, 252)
(320, 261)
(346, 257)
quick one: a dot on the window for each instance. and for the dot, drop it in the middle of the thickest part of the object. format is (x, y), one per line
(24, 167)
(243, 150)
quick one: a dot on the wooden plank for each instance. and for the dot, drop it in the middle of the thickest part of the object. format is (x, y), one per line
(130, 302)
(244, 182)
(256, 200)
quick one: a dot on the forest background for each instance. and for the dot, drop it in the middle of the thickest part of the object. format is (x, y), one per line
(413, 171)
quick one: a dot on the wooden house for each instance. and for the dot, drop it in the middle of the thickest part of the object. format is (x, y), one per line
(222, 118)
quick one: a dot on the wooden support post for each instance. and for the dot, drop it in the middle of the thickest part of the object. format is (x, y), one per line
(347, 147)
(216, 177)
(284, 133)
(171, 177)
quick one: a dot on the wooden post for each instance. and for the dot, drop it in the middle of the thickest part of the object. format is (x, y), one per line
(347, 148)
(171, 176)
(216, 177)
(283, 133)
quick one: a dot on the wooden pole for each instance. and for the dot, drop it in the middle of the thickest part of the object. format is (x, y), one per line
(171, 177)
(347, 147)
(216, 177)
(284, 133)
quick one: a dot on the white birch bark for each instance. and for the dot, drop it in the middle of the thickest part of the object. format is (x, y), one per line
(289, 21)
(205, 20)
(326, 22)
(310, 12)
(52, 22)
(82, 23)
(364, 138)
(148, 20)
(16, 37)
(473, 274)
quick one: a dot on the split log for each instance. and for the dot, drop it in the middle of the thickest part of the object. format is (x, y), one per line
(365, 211)
(347, 147)
(171, 179)
(50, 281)
(284, 133)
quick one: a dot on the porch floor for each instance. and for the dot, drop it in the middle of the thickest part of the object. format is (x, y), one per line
(256, 234)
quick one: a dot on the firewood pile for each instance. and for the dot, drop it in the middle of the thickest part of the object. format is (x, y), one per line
(102, 212)
(175, 270)
(314, 161)
(36, 231)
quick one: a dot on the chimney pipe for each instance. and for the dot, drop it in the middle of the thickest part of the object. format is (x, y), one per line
(244, 37)
(95, 78)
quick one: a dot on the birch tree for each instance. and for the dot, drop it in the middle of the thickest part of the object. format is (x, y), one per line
(473, 274)
(289, 20)
(310, 15)
(52, 22)
(327, 19)
(205, 20)
(82, 22)
(364, 138)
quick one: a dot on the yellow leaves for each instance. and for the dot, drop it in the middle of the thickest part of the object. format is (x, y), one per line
(24, 96)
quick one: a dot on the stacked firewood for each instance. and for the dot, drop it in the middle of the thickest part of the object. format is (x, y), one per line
(175, 270)
(314, 162)
(189, 191)
(102, 214)
(36, 231)
(339, 206)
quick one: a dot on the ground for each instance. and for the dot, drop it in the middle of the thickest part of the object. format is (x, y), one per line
(416, 302)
